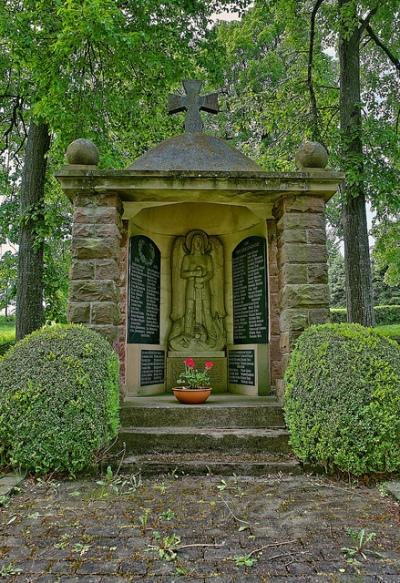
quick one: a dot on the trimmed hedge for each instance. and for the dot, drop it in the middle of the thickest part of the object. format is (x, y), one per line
(59, 399)
(5, 346)
(384, 315)
(342, 400)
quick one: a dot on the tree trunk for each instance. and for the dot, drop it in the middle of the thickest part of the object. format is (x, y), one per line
(359, 296)
(29, 312)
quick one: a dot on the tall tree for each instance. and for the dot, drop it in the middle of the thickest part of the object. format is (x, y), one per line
(359, 296)
(282, 56)
(98, 68)
(30, 258)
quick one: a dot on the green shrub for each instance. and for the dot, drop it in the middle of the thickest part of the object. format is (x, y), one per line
(7, 330)
(338, 315)
(384, 315)
(4, 346)
(59, 399)
(342, 400)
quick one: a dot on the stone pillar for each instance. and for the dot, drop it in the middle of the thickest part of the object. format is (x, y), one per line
(123, 290)
(273, 287)
(95, 270)
(303, 269)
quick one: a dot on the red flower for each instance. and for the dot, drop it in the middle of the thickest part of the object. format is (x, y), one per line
(189, 362)
(208, 365)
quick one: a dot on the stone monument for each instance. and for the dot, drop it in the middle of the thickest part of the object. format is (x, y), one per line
(194, 250)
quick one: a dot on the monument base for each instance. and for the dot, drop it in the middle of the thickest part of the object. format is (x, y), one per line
(248, 369)
(147, 372)
(218, 374)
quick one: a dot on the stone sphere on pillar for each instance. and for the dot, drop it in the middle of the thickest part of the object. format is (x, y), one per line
(82, 152)
(311, 155)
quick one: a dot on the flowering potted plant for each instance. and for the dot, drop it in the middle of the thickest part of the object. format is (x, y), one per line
(196, 383)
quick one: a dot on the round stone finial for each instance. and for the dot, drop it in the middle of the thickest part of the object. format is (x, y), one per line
(82, 151)
(311, 155)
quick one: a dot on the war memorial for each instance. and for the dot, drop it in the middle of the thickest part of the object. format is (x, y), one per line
(194, 250)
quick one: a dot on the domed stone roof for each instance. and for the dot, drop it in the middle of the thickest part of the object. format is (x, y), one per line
(195, 152)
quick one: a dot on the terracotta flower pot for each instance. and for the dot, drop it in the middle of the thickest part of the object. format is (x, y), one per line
(192, 396)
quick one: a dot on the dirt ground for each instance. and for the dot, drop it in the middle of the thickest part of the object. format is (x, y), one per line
(210, 529)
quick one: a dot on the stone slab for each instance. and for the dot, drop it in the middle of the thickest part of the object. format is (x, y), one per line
(146, 357)
(394, 489)
(259, 382)
(8, 482)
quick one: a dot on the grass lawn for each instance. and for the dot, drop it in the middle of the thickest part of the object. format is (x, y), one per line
(7, 329)
(392, 330)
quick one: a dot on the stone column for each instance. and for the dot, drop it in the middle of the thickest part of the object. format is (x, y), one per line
(303, 269)
(95, 270)
(120, 344)
(273, 292)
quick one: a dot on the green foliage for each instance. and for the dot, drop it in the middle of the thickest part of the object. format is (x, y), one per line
(393, 331)
(245, 560)
(387, 250)
(59, 399)
(362, 538)
(384, 293)
(194, 378)
(384, 315)
(336, 273)
(342, 402)
(7, 333)
(8, 279)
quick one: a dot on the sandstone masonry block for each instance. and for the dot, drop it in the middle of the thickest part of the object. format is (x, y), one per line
(284, 341)
(107, 269)
(104, 313)
(109, 332)
(93, 291)
(82, 269)
(294, 319)
(294, 273)
(273, 284)
(95, 230)
(305, 295)
(79, 313)
(96, 215)
(95, 199)
(95, 248)
(275, 327)
(275, 351)
(298, 235)
(316, 235)
(317, 273)
(298, 220)
(304, 204)
(298, 253)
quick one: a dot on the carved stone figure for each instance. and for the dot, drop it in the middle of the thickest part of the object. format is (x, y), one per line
(198, 307)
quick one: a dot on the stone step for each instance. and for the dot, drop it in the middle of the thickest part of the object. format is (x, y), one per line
(217, 412)
(143, 440)
(208, 463)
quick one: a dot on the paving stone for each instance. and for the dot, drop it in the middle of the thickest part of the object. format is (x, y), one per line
(394, 489)
(98, 568)
(302, 521)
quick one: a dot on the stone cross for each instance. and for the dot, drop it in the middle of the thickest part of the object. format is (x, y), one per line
(193, 103)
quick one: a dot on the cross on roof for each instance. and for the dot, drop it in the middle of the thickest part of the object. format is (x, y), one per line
(193, 103)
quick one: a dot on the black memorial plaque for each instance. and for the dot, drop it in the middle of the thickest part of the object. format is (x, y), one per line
(152, 367)
(241, 367)
(249, 278)
(144, 291)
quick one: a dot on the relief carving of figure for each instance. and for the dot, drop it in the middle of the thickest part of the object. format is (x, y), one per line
(198, 306)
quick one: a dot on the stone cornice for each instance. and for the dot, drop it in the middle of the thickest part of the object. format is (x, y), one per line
(178, 186)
